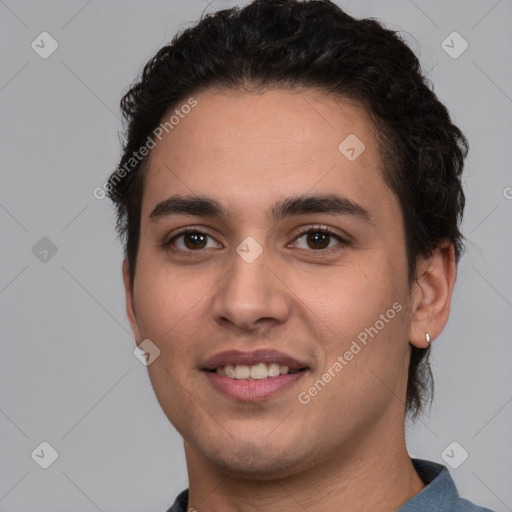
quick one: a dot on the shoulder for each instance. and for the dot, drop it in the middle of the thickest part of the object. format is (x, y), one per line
(463, 505)
(439, 494)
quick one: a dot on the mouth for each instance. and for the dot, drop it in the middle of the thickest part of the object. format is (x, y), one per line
(257, 371)
(253, 376)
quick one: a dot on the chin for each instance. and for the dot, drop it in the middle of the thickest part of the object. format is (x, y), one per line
(250, 466)
(255, 461)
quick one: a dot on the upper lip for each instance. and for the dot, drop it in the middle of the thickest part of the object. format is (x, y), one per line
(235, 357)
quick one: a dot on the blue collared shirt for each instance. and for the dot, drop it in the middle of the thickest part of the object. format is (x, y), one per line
(440, 493)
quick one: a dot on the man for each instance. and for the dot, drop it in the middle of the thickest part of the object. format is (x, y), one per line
(290, 198)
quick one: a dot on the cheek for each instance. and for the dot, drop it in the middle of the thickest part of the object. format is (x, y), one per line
(346, 300)
(362, 309)
(168, 306)
(366, 350)
(167, 300)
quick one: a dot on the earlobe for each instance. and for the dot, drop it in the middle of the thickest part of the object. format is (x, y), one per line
(432, 294)
(130, 302)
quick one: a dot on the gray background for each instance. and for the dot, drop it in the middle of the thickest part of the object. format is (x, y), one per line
(68, 375)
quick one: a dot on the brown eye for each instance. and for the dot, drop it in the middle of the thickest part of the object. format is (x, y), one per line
(194, 240)
(318, 240)
(189, 241)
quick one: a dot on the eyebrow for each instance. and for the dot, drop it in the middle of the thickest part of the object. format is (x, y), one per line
(298, 205)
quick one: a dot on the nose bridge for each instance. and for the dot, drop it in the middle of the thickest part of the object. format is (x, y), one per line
(250, 291)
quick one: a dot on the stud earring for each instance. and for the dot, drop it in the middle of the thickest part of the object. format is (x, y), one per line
(427, 337)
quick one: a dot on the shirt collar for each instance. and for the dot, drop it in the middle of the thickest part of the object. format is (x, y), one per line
(440, 493)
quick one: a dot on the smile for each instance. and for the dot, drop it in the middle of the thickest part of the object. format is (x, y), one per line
(252, 376)
(256, 372)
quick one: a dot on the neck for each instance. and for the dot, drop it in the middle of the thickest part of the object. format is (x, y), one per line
(376, 473)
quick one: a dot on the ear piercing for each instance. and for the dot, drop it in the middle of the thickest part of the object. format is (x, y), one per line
(427, 337)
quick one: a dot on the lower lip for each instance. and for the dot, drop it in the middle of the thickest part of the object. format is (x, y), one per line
(251, 390)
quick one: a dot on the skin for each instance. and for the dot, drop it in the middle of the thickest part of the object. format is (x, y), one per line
(345, 448)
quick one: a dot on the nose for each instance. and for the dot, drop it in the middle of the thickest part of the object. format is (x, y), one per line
(251, 296)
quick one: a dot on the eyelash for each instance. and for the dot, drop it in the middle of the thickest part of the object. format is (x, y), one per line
(325, 231)
(343, 242)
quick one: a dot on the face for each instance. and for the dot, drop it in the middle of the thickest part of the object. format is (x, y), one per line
(268, 242)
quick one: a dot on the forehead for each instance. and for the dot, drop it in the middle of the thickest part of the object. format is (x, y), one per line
(256, 147)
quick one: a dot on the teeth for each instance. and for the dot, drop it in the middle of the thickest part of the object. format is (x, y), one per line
(258, 371)
(229, 371)
(273, 369)
(242, 371)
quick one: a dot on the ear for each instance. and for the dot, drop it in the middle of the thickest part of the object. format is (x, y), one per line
(432, 295)
(130, 303)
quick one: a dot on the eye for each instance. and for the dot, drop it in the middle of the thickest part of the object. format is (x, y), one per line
(192, 240)
(318, 239)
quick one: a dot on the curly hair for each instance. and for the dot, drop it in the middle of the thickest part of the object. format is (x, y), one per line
(316, 45)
